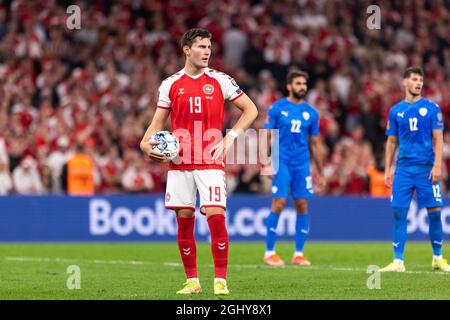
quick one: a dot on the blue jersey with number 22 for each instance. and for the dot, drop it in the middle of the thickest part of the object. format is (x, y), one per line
(295, 122)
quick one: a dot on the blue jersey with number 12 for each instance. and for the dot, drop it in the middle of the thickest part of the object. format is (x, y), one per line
(295, 122)
(413, 124)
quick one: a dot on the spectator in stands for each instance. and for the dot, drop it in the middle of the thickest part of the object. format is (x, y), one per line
(78, 175)
(26, 177)
(249, 180)
(111, 168)
(136, 178)
(56, 161)
(6, 183)
(99, 84)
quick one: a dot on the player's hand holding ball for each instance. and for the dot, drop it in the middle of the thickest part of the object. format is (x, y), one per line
(149, 149)
(163, 146)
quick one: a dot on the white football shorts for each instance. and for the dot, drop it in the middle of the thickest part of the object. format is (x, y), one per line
(182, 187)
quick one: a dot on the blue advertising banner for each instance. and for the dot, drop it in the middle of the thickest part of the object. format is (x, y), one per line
(144, 218)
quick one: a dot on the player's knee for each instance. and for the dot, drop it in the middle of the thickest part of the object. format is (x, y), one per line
(400, 213)
(434, 209)
(278, 205)
(185, 213)
(209, 211)
(301, 206)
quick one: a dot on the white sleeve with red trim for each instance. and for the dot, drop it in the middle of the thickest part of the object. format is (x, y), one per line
(164, 89)
(230, 88)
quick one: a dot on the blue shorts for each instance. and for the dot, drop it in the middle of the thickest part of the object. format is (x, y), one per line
(415, 178)
(296, 179)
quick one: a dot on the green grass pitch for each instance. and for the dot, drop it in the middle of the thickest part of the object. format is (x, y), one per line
(153, 271)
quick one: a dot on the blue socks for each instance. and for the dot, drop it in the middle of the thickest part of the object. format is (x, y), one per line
(301, 231)
(399, 232)
(271, 224)
(435, 232)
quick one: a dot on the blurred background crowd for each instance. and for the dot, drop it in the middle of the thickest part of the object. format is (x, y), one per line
(98, 86)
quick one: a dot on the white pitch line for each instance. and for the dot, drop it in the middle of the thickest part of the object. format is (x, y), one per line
(63, 260)
(179, 265)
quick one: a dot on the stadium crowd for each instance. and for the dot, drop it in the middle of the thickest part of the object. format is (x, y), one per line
(98, 86)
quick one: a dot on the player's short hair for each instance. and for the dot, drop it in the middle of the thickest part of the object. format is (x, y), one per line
(295, 74)
(190, 35)
(412, 70)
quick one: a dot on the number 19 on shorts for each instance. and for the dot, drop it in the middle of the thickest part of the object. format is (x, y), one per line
(214, 194)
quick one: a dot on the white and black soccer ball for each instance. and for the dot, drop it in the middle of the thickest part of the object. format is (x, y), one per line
(168, 144)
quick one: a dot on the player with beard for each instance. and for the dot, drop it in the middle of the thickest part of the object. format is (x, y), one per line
(298, 125)
(415, 126)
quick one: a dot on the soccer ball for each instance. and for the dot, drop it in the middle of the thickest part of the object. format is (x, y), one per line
(168, 144)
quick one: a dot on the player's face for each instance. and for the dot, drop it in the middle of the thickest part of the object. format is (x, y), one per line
(298, 87)
(199, 53)
(414, 84)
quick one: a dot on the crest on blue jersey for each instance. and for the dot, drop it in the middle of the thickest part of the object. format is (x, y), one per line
(423, 112)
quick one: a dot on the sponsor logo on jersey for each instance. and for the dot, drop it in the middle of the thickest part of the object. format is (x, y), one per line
(285, 113)
(400, 114)
(233, 82)
(423, 112)
(306, 116)
(439, 116)
(208, 89)
(180, 91)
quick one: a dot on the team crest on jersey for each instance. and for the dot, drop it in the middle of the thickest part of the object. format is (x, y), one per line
(306, 116)
(423, 112)
(208, 89)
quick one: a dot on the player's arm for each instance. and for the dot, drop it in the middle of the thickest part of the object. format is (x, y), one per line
(438, 143)
(157, 124)
(391, 146)
(266, 145)
(315, 146)
(270, 125)
(249, 114)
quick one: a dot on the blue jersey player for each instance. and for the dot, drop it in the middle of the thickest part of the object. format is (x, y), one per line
(415, 125)
(298, 125)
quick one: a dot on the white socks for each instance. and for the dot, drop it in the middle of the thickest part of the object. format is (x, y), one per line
(269, 253)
